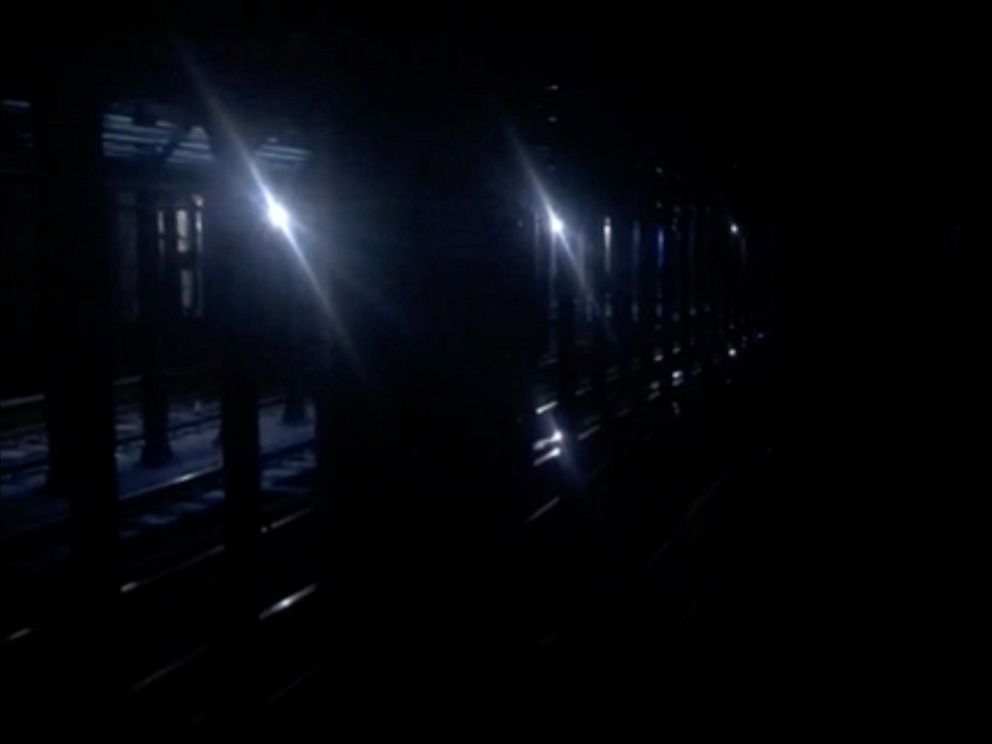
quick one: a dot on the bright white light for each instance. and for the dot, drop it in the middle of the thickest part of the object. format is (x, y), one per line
(556, 452)
(555, 438)
(557, 226)
(731, 352)
(278, 215)
(734, 229)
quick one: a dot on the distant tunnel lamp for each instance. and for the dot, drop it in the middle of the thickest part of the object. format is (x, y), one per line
(278, 215)
(734, 229)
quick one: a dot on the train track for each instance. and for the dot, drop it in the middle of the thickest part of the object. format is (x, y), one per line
(179, 597)
(142, 499)
(23, 412)
(40, 461)
(287, 602)
(175, 552)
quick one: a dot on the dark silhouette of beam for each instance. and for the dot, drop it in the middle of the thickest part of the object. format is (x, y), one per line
(154, 398)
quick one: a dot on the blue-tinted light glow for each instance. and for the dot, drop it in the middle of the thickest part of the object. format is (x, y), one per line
(278, 215)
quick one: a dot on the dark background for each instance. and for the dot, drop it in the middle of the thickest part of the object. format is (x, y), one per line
(863, 143)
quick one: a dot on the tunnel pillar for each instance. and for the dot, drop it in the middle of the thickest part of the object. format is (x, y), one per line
(294, 359)
(623, 318)
(154, 396)
(76, 252)
(691, 278)
(564, 293)
(79, 322)
(598, 287)
(235, 306)
(647, 302)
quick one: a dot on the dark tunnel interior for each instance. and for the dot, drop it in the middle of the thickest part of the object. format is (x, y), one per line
(425, 368)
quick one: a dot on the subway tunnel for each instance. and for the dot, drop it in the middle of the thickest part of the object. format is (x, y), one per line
(354, 367)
